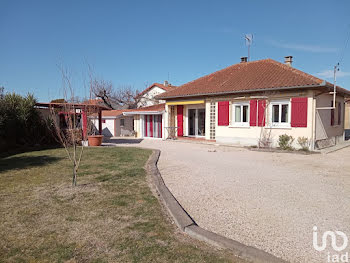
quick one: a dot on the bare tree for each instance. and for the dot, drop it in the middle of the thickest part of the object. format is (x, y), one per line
(125, 97)
(66, 123)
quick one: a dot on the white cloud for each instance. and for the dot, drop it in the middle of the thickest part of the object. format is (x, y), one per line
(303, 47)
(329, 74)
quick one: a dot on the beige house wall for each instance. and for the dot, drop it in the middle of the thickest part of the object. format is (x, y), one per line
(347, 116)
(249, 136)
(127, 129)
(324, 130)
(137, 126)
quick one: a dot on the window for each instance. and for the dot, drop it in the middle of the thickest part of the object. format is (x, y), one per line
(240, 114)
(122, 122)
(280, 116)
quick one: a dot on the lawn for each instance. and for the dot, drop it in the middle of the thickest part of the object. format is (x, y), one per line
(111, 216)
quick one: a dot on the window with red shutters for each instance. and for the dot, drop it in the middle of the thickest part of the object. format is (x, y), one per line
(299, 112)
(253, 112)
(223, 113)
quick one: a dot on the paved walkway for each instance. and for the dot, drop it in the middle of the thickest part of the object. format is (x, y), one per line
(267, 200)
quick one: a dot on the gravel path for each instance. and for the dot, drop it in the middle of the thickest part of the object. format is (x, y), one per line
(267, 200)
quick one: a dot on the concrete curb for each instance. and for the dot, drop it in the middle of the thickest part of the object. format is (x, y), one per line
(184, 221)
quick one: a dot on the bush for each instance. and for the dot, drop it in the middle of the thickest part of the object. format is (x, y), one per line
(20, 123)
(285, 142)
(304, 143)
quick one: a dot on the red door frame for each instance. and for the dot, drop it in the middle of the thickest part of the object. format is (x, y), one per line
(151, 125)
(180, 129)
(146, 125)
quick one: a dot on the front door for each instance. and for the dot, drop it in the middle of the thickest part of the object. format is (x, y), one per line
(196, 122)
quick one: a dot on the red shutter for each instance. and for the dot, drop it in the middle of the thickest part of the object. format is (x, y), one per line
(180, 128)
(146, 125)
(223, 113)
(151, 125)
(252, 110)
(261, 113)
(299, 112)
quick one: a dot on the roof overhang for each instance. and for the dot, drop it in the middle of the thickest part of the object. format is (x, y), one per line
(71, 105)
(186, 102)
(132, 113)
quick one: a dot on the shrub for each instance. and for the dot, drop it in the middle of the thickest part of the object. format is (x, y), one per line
(20, 123)
(285, 142)
(304, 143)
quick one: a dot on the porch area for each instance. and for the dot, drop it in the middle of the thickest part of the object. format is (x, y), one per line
(187, 120)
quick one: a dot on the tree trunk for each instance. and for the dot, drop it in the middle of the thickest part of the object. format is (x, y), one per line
(74, 183)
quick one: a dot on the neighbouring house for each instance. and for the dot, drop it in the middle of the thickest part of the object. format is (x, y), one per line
(145, 121)
(253, 103)
(148, 121)
(148, 95)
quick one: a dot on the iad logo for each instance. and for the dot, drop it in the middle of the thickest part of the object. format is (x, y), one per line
(333, 237)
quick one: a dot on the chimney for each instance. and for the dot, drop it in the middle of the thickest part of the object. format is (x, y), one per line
(166, 84)
(288, 60)
(244, 59)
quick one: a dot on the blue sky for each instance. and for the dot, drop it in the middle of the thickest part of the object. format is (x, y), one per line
(138, 42)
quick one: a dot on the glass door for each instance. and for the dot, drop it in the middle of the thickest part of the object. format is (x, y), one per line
(201, 122)
(192, 122)
(196, 122)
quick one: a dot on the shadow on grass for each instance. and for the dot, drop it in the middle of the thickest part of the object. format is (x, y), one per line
(23, 162)
(122, 140)
(22, 149)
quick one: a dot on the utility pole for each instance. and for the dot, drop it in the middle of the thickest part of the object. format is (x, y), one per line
(248, 42)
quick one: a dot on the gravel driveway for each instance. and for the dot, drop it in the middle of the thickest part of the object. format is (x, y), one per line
(267, 200)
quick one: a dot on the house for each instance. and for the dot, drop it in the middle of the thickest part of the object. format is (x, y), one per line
(148, 95)
(127, 122)
(253, 103)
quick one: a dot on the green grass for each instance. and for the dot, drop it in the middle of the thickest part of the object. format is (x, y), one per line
(111, 216)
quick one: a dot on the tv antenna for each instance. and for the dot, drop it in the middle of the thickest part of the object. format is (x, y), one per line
(248, 41)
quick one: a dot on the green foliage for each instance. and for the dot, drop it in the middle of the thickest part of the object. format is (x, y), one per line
(20, 123)
(285, 142)
(304, 143)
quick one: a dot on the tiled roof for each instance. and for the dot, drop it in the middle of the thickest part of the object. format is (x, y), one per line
(157, 107)
(249, 76)
(115, 113)
(112, 113)
(166, 88)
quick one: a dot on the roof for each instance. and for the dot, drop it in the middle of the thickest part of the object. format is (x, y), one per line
(257, 75)
(112, 113)
(166, 88)
(75, 105)
(156, 107)
(116, 113)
